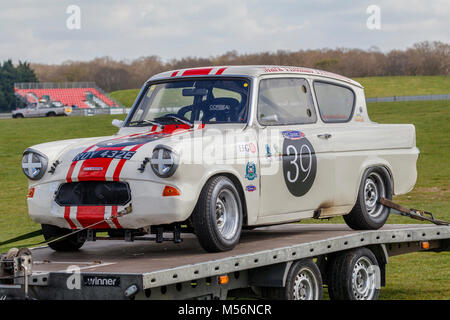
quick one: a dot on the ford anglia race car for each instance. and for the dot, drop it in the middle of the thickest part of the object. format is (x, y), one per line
(215, 150)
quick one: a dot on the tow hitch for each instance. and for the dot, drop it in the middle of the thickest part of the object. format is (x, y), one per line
(15, 269)
(412, 213)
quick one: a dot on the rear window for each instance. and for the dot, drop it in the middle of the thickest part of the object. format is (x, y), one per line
(335, 102)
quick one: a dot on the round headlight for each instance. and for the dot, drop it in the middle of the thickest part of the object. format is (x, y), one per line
(34, 164)
(164, 161)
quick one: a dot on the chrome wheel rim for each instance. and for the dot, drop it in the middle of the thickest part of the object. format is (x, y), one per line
(305, 286)
(363, 280)
(374, 189)
(227, 214)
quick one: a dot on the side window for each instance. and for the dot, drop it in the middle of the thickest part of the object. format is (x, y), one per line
(335, 102)
(285, 101)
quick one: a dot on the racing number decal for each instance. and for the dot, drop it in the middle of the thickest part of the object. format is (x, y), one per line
(299, 165)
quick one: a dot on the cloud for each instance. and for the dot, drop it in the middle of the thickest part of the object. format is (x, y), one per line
(36, 31)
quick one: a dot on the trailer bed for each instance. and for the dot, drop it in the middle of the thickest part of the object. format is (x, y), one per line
(148, 265)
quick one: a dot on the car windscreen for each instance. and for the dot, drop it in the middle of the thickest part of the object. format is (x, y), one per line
(193, 100)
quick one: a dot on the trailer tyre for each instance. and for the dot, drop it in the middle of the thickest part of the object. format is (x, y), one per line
(217, 217)
(368, 213)
(353, 275)
(303, 282)
(70, 243)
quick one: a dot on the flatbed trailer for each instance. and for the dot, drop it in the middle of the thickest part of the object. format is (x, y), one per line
(115, 269)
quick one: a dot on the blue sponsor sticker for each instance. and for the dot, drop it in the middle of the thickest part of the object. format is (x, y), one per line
(250, 171)
(250, 188)
(293, 134)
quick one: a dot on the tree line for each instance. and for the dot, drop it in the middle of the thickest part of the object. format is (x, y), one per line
(423, 58)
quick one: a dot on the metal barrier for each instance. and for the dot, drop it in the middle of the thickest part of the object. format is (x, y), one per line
(429, 97)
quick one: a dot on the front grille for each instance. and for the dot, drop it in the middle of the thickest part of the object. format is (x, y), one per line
(93, 193)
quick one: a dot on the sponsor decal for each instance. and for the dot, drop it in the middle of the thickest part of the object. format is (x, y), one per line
(250, 188)
(293, 134)
(359, 118)
(268, 153)
(108, 154)
(246, 148)
(101, 281)
(219, 107)
(250, 171)
(93, 169)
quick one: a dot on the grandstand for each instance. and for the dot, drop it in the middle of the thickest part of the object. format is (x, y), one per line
(84, 95)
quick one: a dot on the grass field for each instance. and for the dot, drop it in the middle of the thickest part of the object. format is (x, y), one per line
(373, 87)
(412, 276)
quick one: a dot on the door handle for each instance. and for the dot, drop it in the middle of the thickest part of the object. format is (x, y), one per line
(324, 136)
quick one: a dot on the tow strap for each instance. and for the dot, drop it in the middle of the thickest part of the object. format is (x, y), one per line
(412, 213)
(36, 233)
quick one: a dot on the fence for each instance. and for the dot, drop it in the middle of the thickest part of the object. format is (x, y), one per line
(429, 97)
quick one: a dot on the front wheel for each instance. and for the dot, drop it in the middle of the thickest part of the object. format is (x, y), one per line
(69, 243)
(217, 218)
(368, 213)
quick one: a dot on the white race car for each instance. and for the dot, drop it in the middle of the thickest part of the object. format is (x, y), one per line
(218, 149)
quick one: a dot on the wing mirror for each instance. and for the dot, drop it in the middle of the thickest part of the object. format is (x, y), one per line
(117, 123)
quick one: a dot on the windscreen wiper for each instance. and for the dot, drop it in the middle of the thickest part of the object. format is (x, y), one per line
(170, 116)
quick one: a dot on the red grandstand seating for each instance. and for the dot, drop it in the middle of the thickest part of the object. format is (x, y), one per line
(68, 96)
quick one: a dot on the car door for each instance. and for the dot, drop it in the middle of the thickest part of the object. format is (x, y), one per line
(296, 162)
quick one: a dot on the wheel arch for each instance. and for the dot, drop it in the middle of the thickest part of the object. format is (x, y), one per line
(387, 174)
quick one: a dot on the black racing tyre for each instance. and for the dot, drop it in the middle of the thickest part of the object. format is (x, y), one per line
(218, 215)
(70, 243)
(303, 282)
(19, 115)
(51, 114)
(368, 213)
(354, 275)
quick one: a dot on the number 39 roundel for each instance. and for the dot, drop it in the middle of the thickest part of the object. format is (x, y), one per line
(299, 165)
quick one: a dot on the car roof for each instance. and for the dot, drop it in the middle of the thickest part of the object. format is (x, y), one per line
(252, 71)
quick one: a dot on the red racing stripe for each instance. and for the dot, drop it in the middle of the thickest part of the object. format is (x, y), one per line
(174, 73)
(220, 71)
(67, 217)
(72, 166)
(115, 220)
(197, 72)
(87, 215)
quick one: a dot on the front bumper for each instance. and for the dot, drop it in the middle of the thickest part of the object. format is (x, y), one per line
(149, 207)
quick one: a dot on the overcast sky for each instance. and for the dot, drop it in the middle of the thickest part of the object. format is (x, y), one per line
(37, 31)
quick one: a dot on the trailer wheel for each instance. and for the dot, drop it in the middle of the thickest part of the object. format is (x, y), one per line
(353, 276)
(217, 218)
(303, 282)
(70, 243)
(368, 213)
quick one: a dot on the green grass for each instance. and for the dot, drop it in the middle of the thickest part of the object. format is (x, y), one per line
(125, 97)
(404, 85)
(412, 276)
(373, 87)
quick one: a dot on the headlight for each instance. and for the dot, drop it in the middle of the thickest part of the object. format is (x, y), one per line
(164, 161)
(34, 164)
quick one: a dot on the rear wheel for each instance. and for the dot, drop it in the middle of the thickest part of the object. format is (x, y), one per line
(303, 282)
(354, 276)
(51, 114)
(70, 243)
(217, 218)
(368, 213)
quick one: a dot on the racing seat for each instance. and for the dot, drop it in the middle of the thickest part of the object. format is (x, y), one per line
(222, 110)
